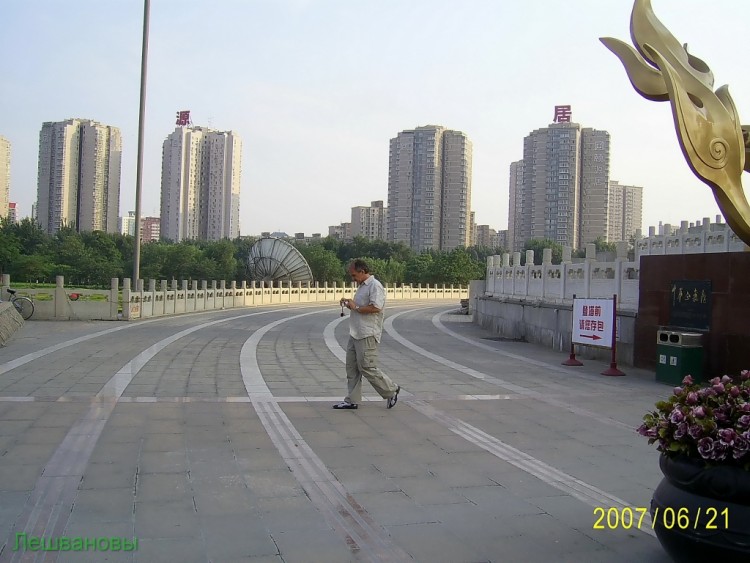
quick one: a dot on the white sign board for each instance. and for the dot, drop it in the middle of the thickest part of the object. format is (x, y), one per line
(592, 322)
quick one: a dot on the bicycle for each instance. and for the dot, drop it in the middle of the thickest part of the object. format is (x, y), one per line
(23, 305)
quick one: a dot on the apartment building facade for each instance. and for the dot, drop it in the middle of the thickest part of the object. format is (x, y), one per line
(200, 185)
(79, 176)
(429, 188)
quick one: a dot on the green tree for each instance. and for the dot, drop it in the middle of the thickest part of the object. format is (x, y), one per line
(538, 245)
(221, 253)
(153, 261)
(603, 246)
(324, 264)
(457, 267)
(419, 269)
(10, 251)
(386, 271)
(180, 260)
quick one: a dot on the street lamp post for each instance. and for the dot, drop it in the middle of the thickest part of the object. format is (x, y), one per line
(139, 163)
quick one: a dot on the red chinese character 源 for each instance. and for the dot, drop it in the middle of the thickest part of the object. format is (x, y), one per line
(183, 118)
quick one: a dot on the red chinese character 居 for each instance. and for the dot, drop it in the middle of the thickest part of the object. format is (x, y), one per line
(562, 114)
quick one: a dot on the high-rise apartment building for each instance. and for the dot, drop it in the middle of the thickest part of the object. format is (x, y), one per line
(200, 184)
(560, 190)
(429, 188)
(4, 176)
(79, 176)
(515, 206)
(625, 211)
(594, 196)
(370, 221)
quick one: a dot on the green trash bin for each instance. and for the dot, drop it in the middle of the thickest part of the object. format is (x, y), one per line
(678, 354)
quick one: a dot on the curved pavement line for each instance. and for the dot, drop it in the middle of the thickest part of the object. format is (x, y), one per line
(388, 325)
(30, 357)
(342, 512)
(560, 480)
(49, 505)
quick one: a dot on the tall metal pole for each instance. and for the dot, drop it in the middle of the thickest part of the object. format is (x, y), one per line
(139, 164)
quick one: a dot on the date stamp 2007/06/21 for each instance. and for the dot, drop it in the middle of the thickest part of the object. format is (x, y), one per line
(627, 518)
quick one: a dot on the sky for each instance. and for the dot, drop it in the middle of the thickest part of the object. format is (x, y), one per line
(317, 88)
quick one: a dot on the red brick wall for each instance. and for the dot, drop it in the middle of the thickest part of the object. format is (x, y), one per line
(727, 344)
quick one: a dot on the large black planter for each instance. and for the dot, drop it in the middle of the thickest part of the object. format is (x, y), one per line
(702, 514)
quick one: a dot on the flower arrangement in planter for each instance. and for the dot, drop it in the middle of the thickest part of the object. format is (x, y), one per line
(708, 423)
(703, 434)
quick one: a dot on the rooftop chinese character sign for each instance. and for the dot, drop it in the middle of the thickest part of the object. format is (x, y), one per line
(562, 114)
(183, 118)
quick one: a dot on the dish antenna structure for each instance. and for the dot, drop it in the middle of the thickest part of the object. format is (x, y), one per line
(275, 260)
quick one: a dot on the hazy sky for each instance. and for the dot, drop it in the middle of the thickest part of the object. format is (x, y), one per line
(317, 88)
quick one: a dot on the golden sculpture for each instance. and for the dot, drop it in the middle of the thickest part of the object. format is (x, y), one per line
(708, 127)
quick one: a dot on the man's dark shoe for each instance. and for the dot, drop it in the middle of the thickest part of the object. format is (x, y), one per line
(393, 400)
(345, 405)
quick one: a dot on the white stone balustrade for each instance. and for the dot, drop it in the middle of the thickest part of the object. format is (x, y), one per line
(558, 284)
(65, 303)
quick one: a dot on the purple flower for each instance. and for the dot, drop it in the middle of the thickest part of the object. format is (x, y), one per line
(676, 416)
(741, 447)
(720, 451)
(734, 391)
(719, 387)
(705, 447)
(726, 379)
(727, 436)
(714, 381)
(688, 380)
(745, 374)
(682, 429)
(699, 412)
(695, 431)
(692, 398)
(745, 407)
(743, 422)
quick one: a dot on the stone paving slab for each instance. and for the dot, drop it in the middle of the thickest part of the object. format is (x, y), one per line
(197, 473)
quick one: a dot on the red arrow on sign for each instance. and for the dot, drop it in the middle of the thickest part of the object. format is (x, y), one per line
(591, 336)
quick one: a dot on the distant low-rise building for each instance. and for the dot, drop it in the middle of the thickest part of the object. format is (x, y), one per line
(341, 232)
(370, 222)
(150, 229)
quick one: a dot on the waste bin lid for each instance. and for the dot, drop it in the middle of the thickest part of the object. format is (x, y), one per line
(678, 338)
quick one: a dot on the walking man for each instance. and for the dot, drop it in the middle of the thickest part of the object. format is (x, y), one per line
(365, 328)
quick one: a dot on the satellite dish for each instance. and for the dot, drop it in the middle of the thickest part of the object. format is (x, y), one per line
(274, 260)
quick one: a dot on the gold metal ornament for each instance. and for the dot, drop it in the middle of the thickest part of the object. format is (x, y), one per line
(715, 145)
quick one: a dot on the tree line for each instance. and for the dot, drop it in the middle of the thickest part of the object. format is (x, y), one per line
(32, 256)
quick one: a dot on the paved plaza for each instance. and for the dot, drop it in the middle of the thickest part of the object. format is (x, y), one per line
(211, 437)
